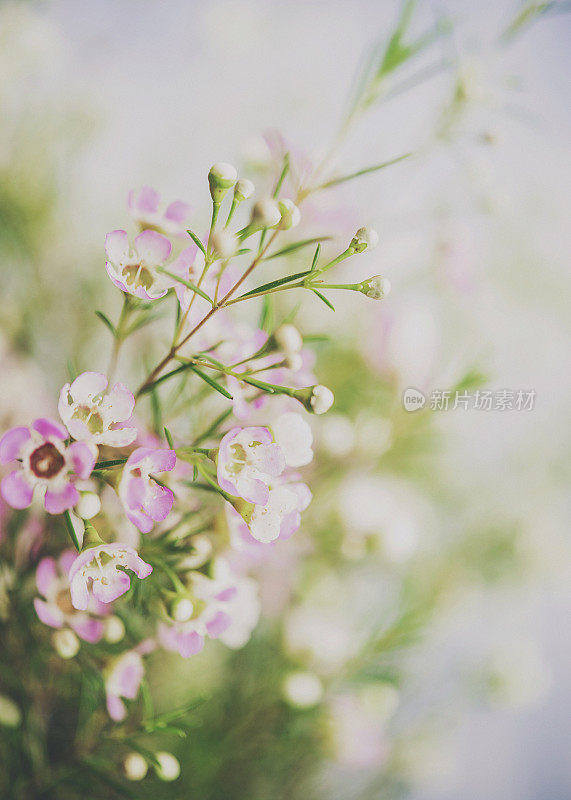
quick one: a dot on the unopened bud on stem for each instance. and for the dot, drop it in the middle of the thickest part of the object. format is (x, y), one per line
(316, 399)
(377, 287)
(291, 215)
(221, 177)
(244, 189)
(365, 238)
(266, 213)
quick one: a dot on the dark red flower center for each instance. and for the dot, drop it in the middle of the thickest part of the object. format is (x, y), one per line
(46, 461)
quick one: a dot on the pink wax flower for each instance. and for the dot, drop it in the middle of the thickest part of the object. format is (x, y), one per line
(145, 501)
(55, 609)
(146, 209)
(135, 270)
(99, 568)
(123, 681)
(47, 462)
(248, 459)
(93, 415)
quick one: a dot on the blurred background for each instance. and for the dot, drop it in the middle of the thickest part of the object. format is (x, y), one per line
(446, 529)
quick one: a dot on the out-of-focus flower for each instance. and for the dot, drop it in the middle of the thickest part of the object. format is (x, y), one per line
(89, 505)
(293, 436)
(46, 462)
(66, 643)
(91, 415)
(146, 501)
(302, 689)
(146, 209)
(10, 714)
(248, 459)
(357, 733)
(135, 271)
(99, 567)
(113, 629)
(266, 213)
(135, 767)
(224, 243)
(168, 768)
(55, 608)
(244, 189)
(123, 681)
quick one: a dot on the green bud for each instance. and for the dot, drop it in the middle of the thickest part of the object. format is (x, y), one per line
(377, 287)
(221, 177)
(363, 239)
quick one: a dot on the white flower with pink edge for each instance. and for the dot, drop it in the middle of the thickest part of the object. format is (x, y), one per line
(136, 270)
(91, 414)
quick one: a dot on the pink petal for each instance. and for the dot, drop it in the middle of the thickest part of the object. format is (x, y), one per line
(16, 491)
(46, 575)
(121, 402)
(153, 247)
(177, 211)
(87, 385)
(66, 560)
(47, 427)
(120, 284)
(159, 506)
(58, 502)
(78, 586)
(108, 592)
(182, 265)
(253, 490)
(117, 246)
(143, 522)
(147, 200)
(189, 644)
(273, 461)
(218, 624)
(83, 458)
(48, 614)
(11, 444)
(134, 491)
(135, 563)
(87, 628)
(162, 460)
(116, 708)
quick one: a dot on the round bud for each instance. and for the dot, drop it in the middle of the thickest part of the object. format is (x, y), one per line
(266, 213)
(135, 767)
(181, 609)
(288, 338)
(113, 629)
(224, 243)
(10, 714)
(293, 361)
(321, 399)
(221, 177)
(244, 189)
(377, 287)
(302, 689)
(89, 505)
(66, 643)
(365, 238)
(168, 768)
(202, 550)
(291, 215)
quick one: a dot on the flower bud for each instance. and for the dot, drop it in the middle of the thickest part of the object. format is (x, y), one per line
(89, 505)
(363, 239)
(66, 643)
(113, 629)
(10, 714)
(288, 339)
(377, 287)
(317, 399)
(221, 177)
(266, 213)
(224, 243)
(291, 215)
(168, 768)
(302, 689)
(181, 609)
(293, 361)
(244, 189)
(135, 767)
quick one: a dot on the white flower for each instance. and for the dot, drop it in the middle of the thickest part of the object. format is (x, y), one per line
(224, 243)
(321, 399)
(293, 436)
(302, 689)
(266, 521)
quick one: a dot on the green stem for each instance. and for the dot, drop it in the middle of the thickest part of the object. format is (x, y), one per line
(71, 530)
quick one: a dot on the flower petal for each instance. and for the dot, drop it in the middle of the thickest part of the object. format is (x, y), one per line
(161, 460)
(47, 428)
(83, 457)
(46, 575)
(153, 247)
(118, 437)
(117, 246)
(146, 200)
(49, 613)
(11, 444)
(158, 506)
(108, 592)
(116, 708)
(56, 502)
(87, 628)
(177, 211)
(189, 643)
(16, 491)
(87, 385)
